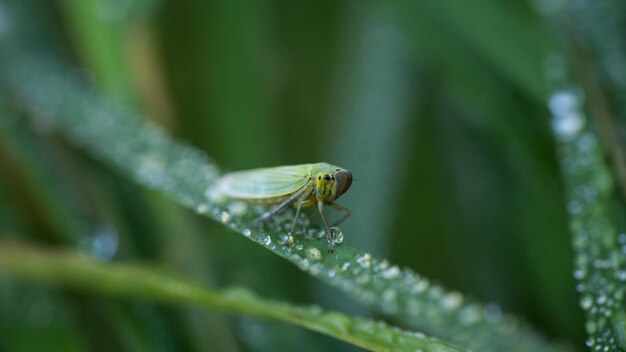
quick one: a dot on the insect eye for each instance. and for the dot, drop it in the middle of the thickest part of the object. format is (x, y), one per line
(326, 177)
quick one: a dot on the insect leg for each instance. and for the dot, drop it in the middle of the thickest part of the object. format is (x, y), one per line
(295, 219)
(320, 208)
(329, 235)
(280, 206)
(346, 213)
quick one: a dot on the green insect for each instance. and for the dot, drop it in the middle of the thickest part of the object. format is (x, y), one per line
(283, 186)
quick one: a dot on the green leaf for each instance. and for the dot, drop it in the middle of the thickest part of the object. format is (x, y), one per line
(75, 270)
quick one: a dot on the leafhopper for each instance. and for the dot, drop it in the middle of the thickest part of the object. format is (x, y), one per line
(284, 186)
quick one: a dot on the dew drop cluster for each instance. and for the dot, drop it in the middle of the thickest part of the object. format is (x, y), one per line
(600, 260)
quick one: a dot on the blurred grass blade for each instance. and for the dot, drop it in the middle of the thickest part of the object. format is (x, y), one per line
(373, 83)
(143, 151)
(600, 266)
(475, 29)
(75, 270)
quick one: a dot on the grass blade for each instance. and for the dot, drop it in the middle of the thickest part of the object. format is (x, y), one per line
(74, 270)
(600, 262)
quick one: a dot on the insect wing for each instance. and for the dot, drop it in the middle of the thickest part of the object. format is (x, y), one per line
(264, 183)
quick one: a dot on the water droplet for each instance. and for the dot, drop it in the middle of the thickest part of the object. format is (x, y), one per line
(364, 260)
(568, 121)
(574, 207)
(313, 253)
(336, 236)
(586, 302)
(304, 264)
(579, 274)
(285, 239)
(102, 244)
(246, 232)
(224, 217)
(264, 240)
(237, 208)
(452, 301)
(391, 273)
(339, 323)
(214, 194)
(591, 327)
(201, 209)
(421, 286)
(299, 247)
(435, 292)
(492, 313)
(470, 314)
(151, 169)
(363, 279)
(314, 233)
(390, 305)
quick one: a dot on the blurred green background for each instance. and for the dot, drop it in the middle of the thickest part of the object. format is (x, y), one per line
(437, 108)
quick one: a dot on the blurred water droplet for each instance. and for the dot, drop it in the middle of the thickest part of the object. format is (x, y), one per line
(492, 313)
(568, 121)
(420, 286)
(224, 216)
(591, 327)
(452, 301)
(304, 264)
(390, 304)
(364, 260)
(470, 314)
(102, 243)
(391, 272)
(337, 322)
(246, 232)
(151, 169)
(586, 302)
(579, 274)
(214, 195)
(237, 208)
(201, 209)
